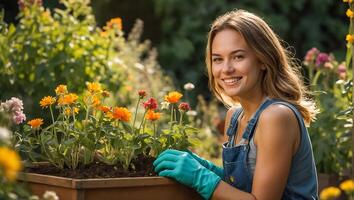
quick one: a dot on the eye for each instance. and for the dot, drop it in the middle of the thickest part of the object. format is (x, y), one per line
(238, 57)
(216, 60)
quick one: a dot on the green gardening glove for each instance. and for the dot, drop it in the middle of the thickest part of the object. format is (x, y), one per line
(209, 165)
(182, 167)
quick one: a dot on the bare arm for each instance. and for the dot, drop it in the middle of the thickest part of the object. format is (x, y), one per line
(276, 137)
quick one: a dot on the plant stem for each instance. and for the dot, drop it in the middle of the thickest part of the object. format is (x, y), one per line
(143, 120)
(136, 111)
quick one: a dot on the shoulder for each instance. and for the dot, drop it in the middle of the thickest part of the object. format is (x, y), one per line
(278, 126)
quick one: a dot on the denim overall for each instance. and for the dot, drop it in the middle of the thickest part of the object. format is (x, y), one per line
(302, 180)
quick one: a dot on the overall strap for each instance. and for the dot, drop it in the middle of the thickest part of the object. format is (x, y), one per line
(248, 133)
(233, 125)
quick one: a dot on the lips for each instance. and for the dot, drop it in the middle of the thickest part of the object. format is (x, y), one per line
(232, 80)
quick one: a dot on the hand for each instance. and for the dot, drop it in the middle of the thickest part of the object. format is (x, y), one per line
(182, 167)
(209, 165)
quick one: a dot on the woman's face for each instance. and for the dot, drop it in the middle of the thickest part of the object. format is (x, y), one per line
(235, 67)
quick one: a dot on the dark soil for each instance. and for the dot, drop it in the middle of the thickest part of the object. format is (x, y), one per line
(143, 167)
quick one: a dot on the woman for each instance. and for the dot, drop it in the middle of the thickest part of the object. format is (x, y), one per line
(268, 153)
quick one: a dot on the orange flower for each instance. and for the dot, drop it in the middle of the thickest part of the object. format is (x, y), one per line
(173, 97)
(122, 114)
(35, 123)
(47, 101)
(152, 116)
(104, 109)
(61, 89)
(96, 101)
(94, 87)
(67, 99)
(114, 23)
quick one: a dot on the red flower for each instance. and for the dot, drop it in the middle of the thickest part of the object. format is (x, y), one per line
(184, 107)
(150, 104)
(142, 93)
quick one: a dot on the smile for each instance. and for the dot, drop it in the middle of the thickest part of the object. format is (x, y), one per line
(231, 81)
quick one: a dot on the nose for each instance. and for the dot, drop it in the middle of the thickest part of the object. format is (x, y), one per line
(228, 67)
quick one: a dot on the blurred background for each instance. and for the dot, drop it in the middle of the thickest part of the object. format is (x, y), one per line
(178, 28)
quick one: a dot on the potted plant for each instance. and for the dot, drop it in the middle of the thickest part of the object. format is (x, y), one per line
(90, 141)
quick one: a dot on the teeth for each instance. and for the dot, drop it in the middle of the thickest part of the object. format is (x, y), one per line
(232, 80)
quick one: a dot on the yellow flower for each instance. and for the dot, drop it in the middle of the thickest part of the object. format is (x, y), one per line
(329, 193)
(347, 1)
(120, 113)
(61, 89)
(70, 111)
(173, 97)
(47, 101)
(35, 123)
(94, 87)
(152, 116)
(350, 38)
(67, 99)
(10, 163)
(347, 186)
(350, 13)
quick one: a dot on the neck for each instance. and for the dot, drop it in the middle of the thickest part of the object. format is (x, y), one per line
(250, 105)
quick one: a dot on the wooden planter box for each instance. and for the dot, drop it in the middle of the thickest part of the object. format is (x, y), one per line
(136, 188)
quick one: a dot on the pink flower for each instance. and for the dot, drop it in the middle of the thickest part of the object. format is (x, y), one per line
(150, 104)
(311, 55)
(19, 117)
(183, 106)
(322, 58)
(342, 71)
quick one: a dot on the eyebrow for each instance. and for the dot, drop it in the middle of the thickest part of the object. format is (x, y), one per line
(233, 52)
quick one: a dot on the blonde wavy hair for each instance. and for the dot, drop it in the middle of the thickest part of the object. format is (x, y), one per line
(282, 78)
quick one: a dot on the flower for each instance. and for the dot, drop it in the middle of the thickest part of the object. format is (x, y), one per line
(347, 186)
(105, 93)
(347, 1)
(50, 195)
(114, 23)
(142, 94)
(349, 13)
(165, 105)
(10, 162)
(121, 113)
(173, 97)
(94, 87)
(342, 71)
(47, 101)
(61, 89)
(311, 55)
(192, 113)
(35, 123)
(150, 104)
(70, 111)
(5, 135)
(104, 109)
(67, 99)
(184, 107)
(14, 107)
(152, 116)
(188, 86)
(329, 193)
(321, 59)
(350, 38)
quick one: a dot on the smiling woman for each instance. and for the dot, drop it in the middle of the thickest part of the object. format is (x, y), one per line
(250, 71)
